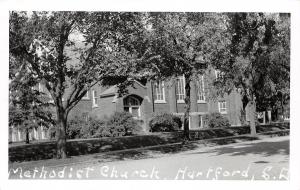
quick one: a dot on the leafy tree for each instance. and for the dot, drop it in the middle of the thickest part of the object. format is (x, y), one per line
(68, 53)
(27, 109)
(254, 59)
(180, 44)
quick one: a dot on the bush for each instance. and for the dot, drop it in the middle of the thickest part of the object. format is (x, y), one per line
(75, 127)
(52, 132)
(165, 123)
(92, 127)
(216, 120)
(122, 124)
(119, 124)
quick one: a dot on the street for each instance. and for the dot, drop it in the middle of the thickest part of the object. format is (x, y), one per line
(266, 159)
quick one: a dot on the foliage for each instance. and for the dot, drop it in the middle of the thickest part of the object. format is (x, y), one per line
(165, 123)
(216, 120)
(118, 124)
(125, 121)
(177, 44)
(27, 110)
(79, 127)
(69, 52)
(74, 127)
(254, 59)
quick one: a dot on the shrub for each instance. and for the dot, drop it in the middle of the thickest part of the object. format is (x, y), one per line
(216, 120)
(91, 128)
(76, 127)
(165, 123)
(119, 124)
(52, 132)
(123, 123)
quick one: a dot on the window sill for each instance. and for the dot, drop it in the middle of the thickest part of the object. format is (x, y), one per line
(180, 101)
(95, 106)
(223, 112)
(201, 102)
(160, 101)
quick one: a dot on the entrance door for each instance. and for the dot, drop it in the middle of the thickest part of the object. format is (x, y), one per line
(133, 106)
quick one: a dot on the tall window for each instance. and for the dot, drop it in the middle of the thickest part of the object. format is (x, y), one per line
(218, 74)
(85, 116)
(95, 98)
(43, 132)
(86, 96)
(159, 92)
(201, 124)
(200, 90)
(222, 107)
(180, 93)
(41, 88)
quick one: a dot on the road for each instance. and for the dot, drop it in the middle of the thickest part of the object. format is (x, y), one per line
(266, 159)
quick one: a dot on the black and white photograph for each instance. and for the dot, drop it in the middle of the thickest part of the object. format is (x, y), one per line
(148, 95)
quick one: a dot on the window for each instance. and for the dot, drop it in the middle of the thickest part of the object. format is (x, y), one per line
(35, 133)
(201, 123)
(43, 132)
(159, 92)
(200, 90)
(86, 96)
(85, 116)
(222, 107)
(132, 105)
(180, 92)
(218, 74)
(19, 135)
(95, 98)
(41, 88)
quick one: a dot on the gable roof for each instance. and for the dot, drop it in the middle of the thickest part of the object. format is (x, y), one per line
(114, 89)
(110, 91)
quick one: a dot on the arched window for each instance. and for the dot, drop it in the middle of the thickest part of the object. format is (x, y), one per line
(133, 106)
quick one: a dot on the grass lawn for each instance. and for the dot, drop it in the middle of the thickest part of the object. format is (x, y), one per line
(77, 147)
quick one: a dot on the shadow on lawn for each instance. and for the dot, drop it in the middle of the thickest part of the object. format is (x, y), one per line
(262, 148)
(47, 150)
(163, 150)
(145, 153)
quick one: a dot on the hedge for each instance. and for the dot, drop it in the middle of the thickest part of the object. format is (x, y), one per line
(47, 150)
(118, 124)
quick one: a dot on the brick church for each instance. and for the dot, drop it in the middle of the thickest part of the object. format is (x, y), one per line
(144, 100)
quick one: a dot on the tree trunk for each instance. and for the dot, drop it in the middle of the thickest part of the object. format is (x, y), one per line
(27, 136)
(186, 128)
(61, 134)
(252, 117)
(243, 118)
(282, 109)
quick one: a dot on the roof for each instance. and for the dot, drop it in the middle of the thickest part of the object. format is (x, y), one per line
(110, 91)
(114, 89)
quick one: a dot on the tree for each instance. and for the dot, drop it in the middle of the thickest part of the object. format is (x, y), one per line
(27, 108)
(254, 58)
(68, 53)
(181, 44)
